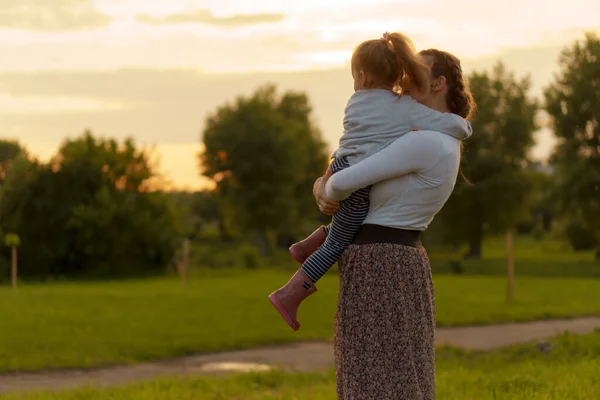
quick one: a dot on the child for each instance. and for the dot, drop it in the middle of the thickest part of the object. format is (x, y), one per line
(375, 116)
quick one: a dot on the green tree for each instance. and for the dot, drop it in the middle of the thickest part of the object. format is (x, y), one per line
(541, 200)
(493, 160)
(263, 152)
(312, 161)
(9, 150)
(90, 210)
(206, 209)
(573, 102)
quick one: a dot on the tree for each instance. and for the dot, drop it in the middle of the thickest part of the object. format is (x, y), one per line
(88, 211)
(540, 201)
(9, 150)
(313, 160)
(493, 160)
(573, 102)
(263, 152)
(205, 208)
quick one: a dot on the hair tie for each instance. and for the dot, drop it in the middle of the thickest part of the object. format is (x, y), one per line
(386, 36)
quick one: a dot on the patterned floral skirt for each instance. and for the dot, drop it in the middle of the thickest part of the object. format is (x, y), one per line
(385, 324)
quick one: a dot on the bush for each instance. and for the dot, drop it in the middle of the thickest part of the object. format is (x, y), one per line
(250, 257)
(4, 269)
(580, 237)
(538, 232)
(219, 255)
(456, 267)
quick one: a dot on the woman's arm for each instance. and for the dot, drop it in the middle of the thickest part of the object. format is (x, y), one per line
(326, 206)
(410, 153)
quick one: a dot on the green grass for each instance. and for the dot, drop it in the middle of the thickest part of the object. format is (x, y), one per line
(525, 248)
(90, 324)
(568, 371)
(547, 257)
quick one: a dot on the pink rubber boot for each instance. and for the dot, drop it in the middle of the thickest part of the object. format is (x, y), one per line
(302, 250)
(288, 298)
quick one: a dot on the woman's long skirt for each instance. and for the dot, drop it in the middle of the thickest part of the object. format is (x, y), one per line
(385, 324)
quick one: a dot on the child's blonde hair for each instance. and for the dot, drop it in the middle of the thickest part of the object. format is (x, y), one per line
(385, 61)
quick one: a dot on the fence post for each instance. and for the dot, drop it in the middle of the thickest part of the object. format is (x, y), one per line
(186, 260)
(511, 266)
(14, 268)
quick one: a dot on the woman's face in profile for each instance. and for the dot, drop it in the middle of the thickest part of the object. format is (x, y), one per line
(423, 96)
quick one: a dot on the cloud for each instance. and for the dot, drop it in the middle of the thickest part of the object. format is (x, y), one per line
(51, 16)
(470, 28)
(206, 17)
(168, 107)
(160, 106)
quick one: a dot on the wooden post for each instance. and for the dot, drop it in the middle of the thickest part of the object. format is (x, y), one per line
(511, 266)
(14, 267)
(186, 260)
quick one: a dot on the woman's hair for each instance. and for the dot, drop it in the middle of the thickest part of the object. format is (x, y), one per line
(459, 98)
(385, 61)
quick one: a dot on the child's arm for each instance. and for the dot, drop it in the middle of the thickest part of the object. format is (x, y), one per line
(425, 118)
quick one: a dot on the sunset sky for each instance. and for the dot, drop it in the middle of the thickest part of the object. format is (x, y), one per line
(154, 69)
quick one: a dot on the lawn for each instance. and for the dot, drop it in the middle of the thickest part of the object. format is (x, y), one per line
(547, 257)
(91, 324)
(568, 371)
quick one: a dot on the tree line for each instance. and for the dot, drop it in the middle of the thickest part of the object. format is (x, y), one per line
(90, 210)
(96, 208)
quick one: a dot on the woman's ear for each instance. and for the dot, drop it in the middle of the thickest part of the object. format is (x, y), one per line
(438, 84)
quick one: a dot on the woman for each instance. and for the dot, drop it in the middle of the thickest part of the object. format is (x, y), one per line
(385, 321)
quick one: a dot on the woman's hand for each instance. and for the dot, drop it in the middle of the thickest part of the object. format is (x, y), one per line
(326, 206)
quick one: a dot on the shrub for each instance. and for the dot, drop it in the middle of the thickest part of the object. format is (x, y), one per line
(250, 257)
(580, 237)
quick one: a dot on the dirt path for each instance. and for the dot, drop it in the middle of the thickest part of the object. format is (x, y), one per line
(308, 356)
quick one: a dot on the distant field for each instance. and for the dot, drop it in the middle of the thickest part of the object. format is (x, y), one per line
(545, 257)
(91, 324)
(569, 371)
(525, 248)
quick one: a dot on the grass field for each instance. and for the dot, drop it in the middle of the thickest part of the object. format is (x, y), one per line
(90, 324)
(568, 371)
(547, 257)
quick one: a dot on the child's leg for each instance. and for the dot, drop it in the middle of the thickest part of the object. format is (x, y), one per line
(344, 227)
(303, 249)
(300, 251)
(340, 234)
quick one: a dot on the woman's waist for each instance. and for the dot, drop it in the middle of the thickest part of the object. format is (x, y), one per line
(372, 234)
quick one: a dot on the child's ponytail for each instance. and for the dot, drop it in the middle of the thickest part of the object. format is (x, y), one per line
(385, 61)
(408, 59)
